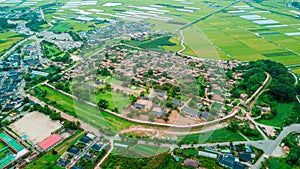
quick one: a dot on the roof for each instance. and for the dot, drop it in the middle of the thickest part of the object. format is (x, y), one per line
(96, 147)
(176, 102)
(6, 160)
(245, 156)
(206, 154)
(191, 163)
(205, 115)
(85, 139)
(139, 106)
(88, 156)
(226, 160)
(161, 93)
(74, 150)
(229, 161)
(62, 162)
(158, 113)
(191, 111)
(238, 165)
(76, 167)
(50, 141)
(40, 73)
(11, 142)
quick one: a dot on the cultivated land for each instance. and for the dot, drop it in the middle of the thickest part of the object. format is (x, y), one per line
(8, 39)
(221, 135)
(148, 151)
(36, 126)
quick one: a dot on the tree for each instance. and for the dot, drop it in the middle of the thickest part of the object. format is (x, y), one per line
(151, 118)
(104, 72)
(150, 72)
(103, 104)
(283, 93)
(295, 4)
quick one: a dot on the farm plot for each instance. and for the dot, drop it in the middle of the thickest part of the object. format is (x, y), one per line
(221, 135)
(199, 44)
(147, 151)
(8, 39)
(238, 38)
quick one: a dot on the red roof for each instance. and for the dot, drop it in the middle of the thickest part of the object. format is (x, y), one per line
(49, 141)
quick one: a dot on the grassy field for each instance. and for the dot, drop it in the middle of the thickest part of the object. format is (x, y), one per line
(278, 163)
(221, 135)
(8, 39)
(174, 48)
(64, 27)
(2, 145)
(50, 50)
(89, 114)
(148, 150)
(49, 160)
(283, 111)
(115, 100)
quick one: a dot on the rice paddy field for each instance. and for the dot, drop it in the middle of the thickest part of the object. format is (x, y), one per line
(228, 34)
(245, 40)
(296, 70)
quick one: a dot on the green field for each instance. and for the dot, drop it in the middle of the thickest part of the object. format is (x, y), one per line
(115, 100)
(278, 163)
(296, 70)
(2, 145)
(91, 115)
(64, 27)
(50, 50)
(198, 44)
(8, 39)
(148, 150)
(283, 111)
(4, 152)
(220, 135)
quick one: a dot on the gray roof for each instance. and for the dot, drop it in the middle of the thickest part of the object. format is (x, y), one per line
(177, 103)
(191, 112)
(139, 106)
(205, 115)
(159, 114)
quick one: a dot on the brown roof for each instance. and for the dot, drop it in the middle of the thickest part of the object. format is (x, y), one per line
(191, 163)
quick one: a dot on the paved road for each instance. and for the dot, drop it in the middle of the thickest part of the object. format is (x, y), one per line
(270, 147)
(259, 90)
(106, 155)
(295, 76)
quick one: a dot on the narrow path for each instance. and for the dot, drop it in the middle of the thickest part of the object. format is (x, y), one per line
(296, 78)
(259, 90)
(106, 155)
(182, 42)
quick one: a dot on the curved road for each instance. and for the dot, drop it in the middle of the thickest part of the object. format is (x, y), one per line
(232, 114)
